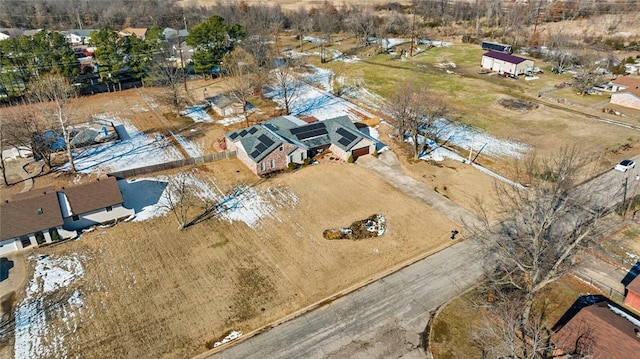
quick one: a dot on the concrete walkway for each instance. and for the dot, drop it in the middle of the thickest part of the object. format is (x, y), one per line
(16, 172)
(603, 275)
(387, 167)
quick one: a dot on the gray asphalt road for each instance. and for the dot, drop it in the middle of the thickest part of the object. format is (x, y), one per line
(385, 318)
(382, 318)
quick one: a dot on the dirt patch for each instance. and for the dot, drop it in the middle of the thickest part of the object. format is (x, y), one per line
(519, 105)
(370, 227)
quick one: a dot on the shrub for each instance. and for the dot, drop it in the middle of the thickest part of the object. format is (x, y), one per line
(350, 159)
(375, 153)
(292, 166)
(307, 161)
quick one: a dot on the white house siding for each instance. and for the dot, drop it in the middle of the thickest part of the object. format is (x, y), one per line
(96, 217)
(343, 155)
(9, 246)
(523, 67)
(626, 100)
(15, 244)
(501, 66)
(297, 156)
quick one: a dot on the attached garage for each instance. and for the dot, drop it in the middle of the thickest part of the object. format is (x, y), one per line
(360, 152)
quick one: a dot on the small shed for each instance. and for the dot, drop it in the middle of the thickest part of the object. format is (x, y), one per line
(224, 105)
(503, 63)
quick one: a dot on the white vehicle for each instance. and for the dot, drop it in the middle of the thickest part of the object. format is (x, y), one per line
(624, 165)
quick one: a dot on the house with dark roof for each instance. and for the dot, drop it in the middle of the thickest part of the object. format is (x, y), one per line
(506, 64)
(626, 92)
(92, 203)
(596, 327)
(31, 219)
(46, 215)
(274, 144)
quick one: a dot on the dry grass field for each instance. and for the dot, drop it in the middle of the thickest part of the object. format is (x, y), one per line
(150, 290)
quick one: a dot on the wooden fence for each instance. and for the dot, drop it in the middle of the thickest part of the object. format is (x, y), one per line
(173, 164)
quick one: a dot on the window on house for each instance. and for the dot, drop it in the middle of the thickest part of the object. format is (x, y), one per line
(109, 209)
(273, 163)
(261, 166)
(302, 156)
(76, 218)
(281, 148)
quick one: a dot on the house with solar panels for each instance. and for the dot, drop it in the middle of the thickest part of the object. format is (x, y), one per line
(273, 145)
(506, 64)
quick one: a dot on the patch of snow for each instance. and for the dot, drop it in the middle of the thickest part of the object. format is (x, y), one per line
(313, 39)
(626, 316)
(232, 336)
(230, 120)
(193, 150)
(138, 150)
(51, 276)
(434, 43)
(197, 114)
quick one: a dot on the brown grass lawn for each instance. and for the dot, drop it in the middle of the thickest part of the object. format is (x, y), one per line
(452, 328)
(151, 290)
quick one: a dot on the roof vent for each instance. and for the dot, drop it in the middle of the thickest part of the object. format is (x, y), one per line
(39, 211)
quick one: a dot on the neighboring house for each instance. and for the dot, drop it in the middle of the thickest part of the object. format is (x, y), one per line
(626, 92)
(173, 36)
(45, 215)
(274, 144)
(632, 297)
(92, 203)
(506, 63)
(597, 330)
(77, 36)
(224, 105)
(138, 31)
(30, 219)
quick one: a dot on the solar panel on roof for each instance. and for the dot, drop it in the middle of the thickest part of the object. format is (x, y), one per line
(253, 130)
(346, 134)
(309, 134)
(233, 136)
(243, 133)
(344, 142)
(261, 147)
(266, 140)
(312, 127)
(255, 154)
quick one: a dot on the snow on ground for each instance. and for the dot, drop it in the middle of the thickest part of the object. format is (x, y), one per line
(319, 77)
(193, 149)
(197, 114)
(230, 120)
(51, 276)
(149, 198)
(136, 149)
(312, 101)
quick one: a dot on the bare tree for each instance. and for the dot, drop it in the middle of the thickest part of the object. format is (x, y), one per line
(53, 94)
(416, 113)
(302, 23)
(164, 74)
(361, 23)
(180, 198)
(542, 228)
(589, 74)
(286, 83)
(246, 78)
(558, 42)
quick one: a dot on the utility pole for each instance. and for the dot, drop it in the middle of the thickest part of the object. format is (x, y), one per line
(184, 73)
(413, 29)
(624, 197)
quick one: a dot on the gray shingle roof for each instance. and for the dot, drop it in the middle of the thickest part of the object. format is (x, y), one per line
(256, 140)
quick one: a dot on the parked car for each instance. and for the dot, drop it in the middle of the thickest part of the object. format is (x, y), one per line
(624, 165)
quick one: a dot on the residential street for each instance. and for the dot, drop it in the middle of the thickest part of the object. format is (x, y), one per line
(385, 317)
